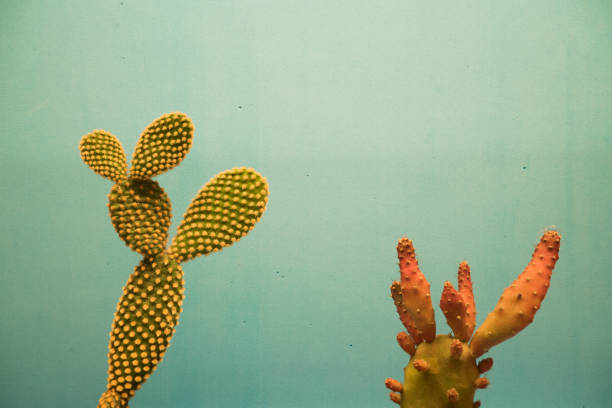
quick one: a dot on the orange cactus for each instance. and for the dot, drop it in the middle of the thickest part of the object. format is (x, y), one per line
(404, 314)
(443, 369)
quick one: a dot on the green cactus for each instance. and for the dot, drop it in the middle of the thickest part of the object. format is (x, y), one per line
(442, 371)
(224, 210)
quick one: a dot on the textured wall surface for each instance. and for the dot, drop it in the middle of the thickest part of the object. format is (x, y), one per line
(469, 127)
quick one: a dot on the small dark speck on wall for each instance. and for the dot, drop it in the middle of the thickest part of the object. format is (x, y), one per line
(524, 167)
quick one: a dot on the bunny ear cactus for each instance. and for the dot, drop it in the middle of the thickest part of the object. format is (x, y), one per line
(443, 371)
(224, 211)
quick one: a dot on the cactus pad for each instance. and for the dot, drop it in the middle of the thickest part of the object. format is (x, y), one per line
(103, 153)
(162, 146)
(224, 210)
(140, 211)
(147, 314)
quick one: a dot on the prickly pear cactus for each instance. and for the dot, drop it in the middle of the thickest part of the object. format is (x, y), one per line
(443, 371)
(224, 210)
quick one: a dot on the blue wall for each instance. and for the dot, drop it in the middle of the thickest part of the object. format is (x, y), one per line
(468, 126)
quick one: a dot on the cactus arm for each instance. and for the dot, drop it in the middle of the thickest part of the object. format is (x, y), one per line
(520, 301)
(404, 315)
(458, 305)
(223, 211)
(415, 291)
(140, 211)
(455, 311)
(464, 280)
(103, 153)
(162, 145)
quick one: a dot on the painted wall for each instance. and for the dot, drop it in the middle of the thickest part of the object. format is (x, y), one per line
(469, 127)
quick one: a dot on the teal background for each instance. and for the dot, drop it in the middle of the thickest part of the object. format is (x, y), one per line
(468, 126)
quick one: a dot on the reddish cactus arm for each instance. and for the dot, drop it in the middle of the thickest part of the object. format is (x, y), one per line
(406, 342)
(404, 315)
(464, 279)
(458, 306)
(520, 301)
(454, 309)
(415, 291)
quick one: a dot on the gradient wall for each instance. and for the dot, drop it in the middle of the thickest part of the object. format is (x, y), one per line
(469, 127)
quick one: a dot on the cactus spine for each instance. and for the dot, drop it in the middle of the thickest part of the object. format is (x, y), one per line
(224, 210)
(443, 371)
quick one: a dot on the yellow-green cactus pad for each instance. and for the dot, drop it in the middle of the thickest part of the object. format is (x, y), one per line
(162, 145)
(140, 211)
(224, 211)
(103, 153)
(144, 323)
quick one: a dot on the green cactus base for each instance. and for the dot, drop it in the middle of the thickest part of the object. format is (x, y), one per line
(432, 385)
